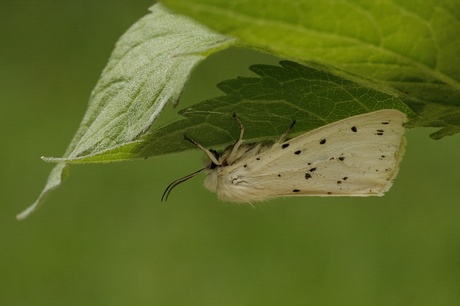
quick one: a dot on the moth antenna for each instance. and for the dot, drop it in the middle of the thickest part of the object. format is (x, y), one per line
(208, 153)
(239, 142)
(283, 136)
(177, 182)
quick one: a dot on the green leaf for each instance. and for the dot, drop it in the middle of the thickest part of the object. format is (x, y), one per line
(410, 48)
(381, 54)
(266, 105)
(148, 68)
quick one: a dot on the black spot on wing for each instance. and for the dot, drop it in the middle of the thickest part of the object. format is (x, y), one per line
(307, 176)
(379, 132)
(313, 169)
(296, 190)
(354, 129)
(297, 152)
(322, 141)
(284, 145)
(342, 158)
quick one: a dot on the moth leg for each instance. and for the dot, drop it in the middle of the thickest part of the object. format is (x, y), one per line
(208, 153)
(239, 142)
(282, 137)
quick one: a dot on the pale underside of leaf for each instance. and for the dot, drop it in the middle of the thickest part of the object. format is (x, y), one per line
(147, 69)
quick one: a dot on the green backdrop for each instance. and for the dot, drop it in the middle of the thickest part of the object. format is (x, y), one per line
(104, 238)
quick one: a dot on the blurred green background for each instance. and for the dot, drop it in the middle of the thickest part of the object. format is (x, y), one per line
(104, 238)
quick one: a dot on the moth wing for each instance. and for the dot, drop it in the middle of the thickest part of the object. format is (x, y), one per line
(357, 156)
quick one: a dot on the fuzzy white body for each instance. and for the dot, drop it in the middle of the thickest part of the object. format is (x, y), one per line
(357, 156)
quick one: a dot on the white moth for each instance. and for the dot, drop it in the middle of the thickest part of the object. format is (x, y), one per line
(357, 156)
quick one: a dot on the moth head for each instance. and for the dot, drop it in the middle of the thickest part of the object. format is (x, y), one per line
(217, 160)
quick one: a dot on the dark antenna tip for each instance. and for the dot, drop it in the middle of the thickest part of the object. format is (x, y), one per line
(170, 187)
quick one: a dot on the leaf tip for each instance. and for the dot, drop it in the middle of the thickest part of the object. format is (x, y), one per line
(27, 212)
